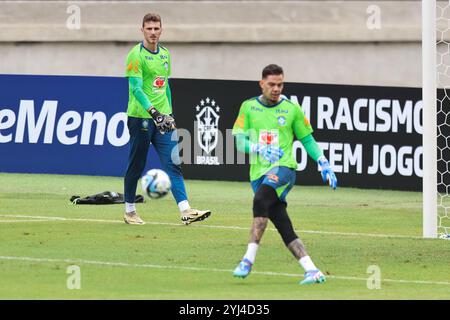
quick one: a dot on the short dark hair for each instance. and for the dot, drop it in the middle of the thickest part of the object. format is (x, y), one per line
(272, 69)
(151, 17)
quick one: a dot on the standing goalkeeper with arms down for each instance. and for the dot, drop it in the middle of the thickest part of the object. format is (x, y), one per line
(265, 128)
(150, 120)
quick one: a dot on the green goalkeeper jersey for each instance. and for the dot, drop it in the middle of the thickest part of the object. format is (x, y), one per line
(154, 68)
(274, 125)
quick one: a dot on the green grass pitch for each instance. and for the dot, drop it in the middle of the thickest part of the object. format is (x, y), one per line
(345, 232)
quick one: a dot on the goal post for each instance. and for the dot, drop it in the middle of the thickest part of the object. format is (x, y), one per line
(429, 137)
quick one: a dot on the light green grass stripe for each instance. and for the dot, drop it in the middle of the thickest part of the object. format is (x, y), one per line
(155, 266)
(335, 233)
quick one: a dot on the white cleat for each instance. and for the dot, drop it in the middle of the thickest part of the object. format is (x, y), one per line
(132, 218)
(193, 215)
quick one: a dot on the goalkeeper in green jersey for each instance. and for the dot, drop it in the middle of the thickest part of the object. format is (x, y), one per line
(265, 128)
(150, 120)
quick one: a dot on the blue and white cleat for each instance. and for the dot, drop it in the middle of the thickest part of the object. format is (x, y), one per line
(313, 276)
(445, 236)
(243, 269)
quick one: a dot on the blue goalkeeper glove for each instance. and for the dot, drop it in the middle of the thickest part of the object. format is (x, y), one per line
(268, 152)
(328, 175)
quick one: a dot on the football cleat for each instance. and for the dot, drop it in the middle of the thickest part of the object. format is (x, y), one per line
(243, 269)
(313, 276)
(193, 215)
(445, 236)
(132, 218)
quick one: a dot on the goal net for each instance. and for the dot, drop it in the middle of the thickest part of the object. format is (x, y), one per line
(436, 117)
(443, 115)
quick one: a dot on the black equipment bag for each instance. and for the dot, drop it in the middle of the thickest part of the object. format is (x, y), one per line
(107, 197)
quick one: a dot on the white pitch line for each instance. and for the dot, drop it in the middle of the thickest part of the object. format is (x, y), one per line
(26, 220)
(156, 266)
(52, 218)
(358, 234)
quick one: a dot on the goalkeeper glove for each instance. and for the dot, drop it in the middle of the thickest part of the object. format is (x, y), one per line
(328, 175)
(268, 152)
(164, 123)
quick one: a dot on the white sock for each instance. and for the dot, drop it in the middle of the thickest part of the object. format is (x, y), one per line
(250, 255)
(183, 205)
(129, 207)
(307, 263)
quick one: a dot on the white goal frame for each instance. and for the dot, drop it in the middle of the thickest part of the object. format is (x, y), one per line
(429, 137)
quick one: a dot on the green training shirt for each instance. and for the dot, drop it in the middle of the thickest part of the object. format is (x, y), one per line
(154, 68)
(274, 125)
